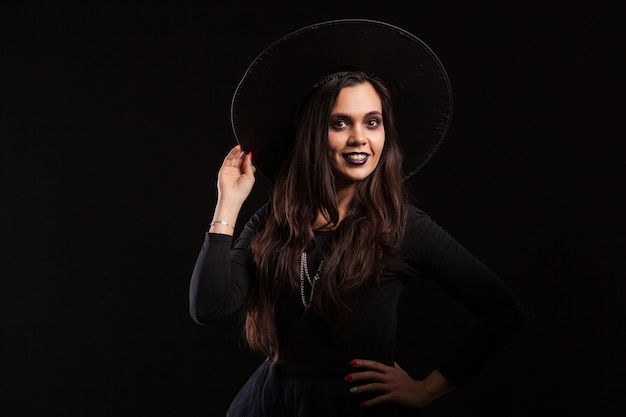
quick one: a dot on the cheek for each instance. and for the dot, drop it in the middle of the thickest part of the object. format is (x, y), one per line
(380, 144)
(334, 142)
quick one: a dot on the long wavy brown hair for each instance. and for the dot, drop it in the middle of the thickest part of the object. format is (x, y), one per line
(353, 255)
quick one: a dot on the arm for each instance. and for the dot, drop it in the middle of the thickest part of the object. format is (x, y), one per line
(433, 253)
(499, 314)
(220, 280)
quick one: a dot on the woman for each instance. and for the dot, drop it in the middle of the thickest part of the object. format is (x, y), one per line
(319, 269)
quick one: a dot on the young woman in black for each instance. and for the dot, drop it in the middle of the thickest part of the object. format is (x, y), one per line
(337, 116)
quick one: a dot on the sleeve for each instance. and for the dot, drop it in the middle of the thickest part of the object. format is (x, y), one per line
(500, 315)
(223, 274)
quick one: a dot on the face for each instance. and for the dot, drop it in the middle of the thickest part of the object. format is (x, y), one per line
(356, 135)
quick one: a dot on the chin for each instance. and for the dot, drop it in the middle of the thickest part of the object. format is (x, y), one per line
(354, 178)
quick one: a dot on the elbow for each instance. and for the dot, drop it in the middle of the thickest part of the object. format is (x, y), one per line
(199, 315)
(517, 319)
(523, 318)
(510, 319)
(520, 315)
(205, 316)
(199, 318)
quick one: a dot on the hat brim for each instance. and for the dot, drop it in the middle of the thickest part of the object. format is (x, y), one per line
(264, 102)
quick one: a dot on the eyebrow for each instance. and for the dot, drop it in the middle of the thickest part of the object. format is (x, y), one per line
(347, 116)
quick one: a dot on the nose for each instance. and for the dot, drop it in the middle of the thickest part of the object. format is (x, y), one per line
(357, 136)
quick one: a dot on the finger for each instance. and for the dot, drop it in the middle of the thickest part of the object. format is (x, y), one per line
(237, 160)
(364, 363)
(397, 367)
(376, 400)
(234, 151)
(366, 376)
(375, 387)
(233, 156)
(248, 168)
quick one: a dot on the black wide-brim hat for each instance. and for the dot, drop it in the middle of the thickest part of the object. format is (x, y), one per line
(264, 103)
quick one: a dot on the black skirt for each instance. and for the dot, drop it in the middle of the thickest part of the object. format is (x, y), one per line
(267, 393)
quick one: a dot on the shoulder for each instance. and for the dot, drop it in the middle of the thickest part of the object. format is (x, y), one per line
(263, 211)
(417, 219)
(421, 229)
(258, 219)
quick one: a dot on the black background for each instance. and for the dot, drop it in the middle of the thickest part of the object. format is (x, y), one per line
(114, 120)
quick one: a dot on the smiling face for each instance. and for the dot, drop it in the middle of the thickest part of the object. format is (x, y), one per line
(356, 135)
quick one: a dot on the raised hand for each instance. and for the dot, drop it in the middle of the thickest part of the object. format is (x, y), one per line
(235, 180)
(236, 176)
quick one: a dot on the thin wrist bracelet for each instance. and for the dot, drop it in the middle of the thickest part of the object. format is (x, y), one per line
(221, 222)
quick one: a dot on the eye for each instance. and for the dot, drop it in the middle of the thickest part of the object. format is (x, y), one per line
(374, 122)
(338, 124)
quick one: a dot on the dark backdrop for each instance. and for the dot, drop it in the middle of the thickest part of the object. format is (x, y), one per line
(115, 118)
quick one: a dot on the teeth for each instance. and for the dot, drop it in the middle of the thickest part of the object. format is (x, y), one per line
(356, 156)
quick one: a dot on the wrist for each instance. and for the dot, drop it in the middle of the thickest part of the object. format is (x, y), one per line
(218, 222)
(224, 218)
(227, 209)
(221, 226)
(435, 385)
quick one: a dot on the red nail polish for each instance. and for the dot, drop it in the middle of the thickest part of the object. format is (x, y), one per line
(362, 405)
(250, 153)
(354, 362)
(348, 377)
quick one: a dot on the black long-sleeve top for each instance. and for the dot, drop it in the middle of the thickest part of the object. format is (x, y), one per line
(309, 346)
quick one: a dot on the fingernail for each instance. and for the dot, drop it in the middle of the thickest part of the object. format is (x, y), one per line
(353, 390)
(354, 362)
(362, 405)
(250, 153)
(348, 377)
